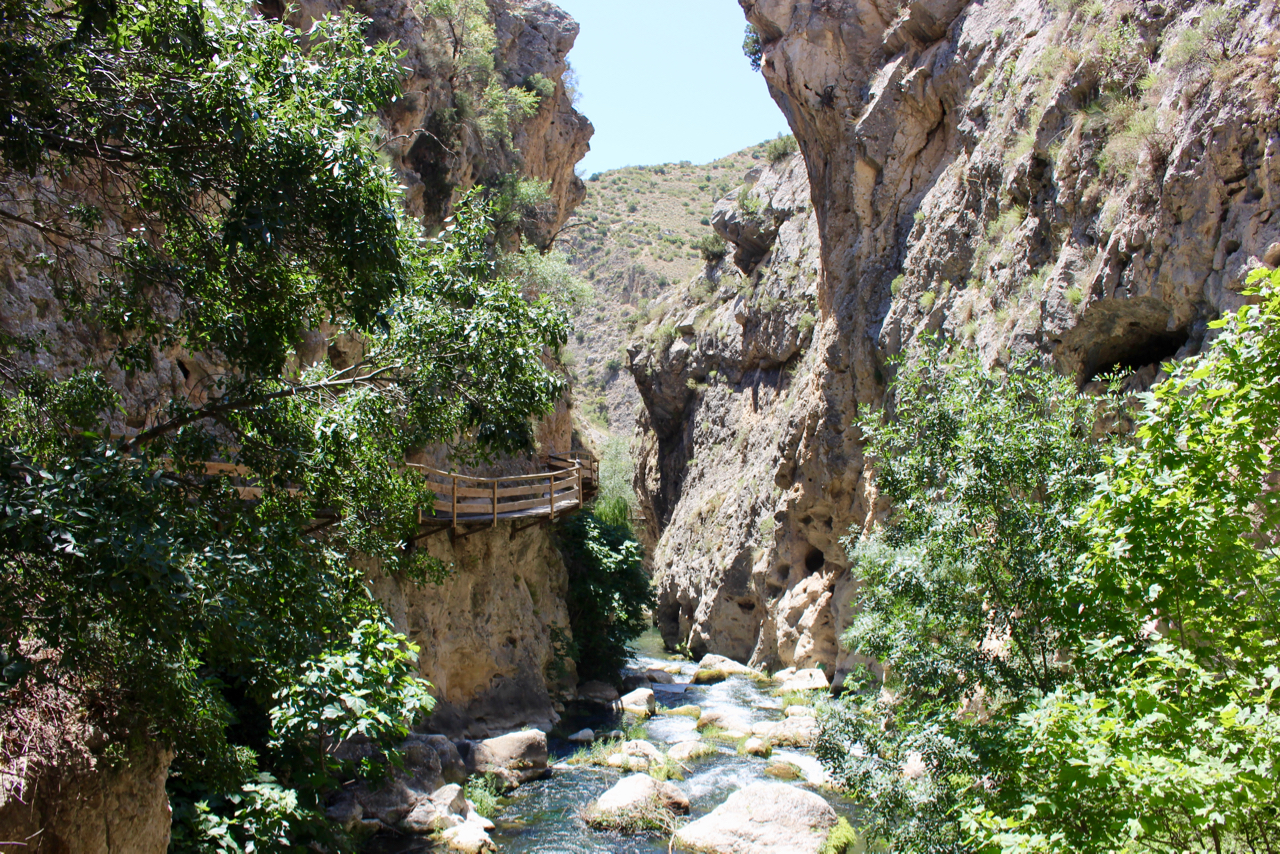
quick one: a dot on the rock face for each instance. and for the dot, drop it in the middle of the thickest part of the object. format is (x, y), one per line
(89, 809)
(968, 178)
(532, 37)
(485, 633)
(765, 818)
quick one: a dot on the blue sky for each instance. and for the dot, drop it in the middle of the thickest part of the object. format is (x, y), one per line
(665, 80)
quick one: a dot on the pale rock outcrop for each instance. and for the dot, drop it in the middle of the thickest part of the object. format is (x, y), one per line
(764, 818)
(950, 181)
(810, 679)
(87, 808)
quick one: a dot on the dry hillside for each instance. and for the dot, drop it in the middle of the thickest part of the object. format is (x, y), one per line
(632, 237)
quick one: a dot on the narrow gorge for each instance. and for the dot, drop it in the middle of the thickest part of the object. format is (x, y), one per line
(375, 479)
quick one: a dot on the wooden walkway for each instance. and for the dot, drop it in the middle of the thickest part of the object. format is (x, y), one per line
(467, 503)
(462, 500)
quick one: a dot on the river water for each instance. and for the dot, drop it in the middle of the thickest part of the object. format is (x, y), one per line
(543, 816)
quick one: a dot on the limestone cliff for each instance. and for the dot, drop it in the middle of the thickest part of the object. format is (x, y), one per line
(1083, 184)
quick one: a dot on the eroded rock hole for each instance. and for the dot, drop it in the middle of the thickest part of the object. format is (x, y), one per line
(814, 561)
(1132, 352)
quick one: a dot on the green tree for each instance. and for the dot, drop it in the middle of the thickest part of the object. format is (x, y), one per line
(609, 593)
(752, 47)
(176, 607)
(1169, 737)
(960, 600)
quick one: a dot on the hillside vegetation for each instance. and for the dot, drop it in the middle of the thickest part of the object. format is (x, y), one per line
(636, 233)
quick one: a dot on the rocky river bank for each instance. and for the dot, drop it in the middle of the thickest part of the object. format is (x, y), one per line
(708, 756)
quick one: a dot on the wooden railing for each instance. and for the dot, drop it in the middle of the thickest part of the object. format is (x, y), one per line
(463, 499)
(590, 467)
(571, 479)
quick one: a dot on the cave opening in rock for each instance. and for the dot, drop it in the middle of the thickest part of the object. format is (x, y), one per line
(1136, 350)
(814, 561)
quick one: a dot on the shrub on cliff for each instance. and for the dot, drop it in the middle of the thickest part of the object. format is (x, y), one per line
(712, 248)
(781, 148)
(234, 627)
(1090, 663)
(959, 601)
(609, 593)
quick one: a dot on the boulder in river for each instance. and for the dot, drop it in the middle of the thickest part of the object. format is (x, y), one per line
(687, 751)
(763, 818)
(515, 758)
(583, 736)
(728, 666)
(660, 676)
(757, 747)
(446, 807)
(638, 802)
(639, 702)
(811, 679)
(467, 838)
(688, 711)
(720, 719)
(709, 677)
(636, 756)
(784, 770)
(794, 732)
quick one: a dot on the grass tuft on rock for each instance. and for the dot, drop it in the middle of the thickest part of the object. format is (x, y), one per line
(597, 752)
(484, 792)
(651, 817)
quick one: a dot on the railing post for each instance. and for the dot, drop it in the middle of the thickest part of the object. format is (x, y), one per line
(495, 502)
(579, 473)
(455, 501)
(552, 495)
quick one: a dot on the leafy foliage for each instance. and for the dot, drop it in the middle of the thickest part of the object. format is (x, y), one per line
(712, 248)
(960, 599)
(609, 593)
(240, 632)
(781, 148)
(752, 47)
(1168, 737)
(1151, 722)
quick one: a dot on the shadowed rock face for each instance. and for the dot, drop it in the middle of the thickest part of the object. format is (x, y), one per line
(968, 178)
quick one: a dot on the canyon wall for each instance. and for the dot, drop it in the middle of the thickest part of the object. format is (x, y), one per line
(1084, 185)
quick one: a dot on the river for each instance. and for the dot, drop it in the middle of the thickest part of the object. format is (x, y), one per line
(543, 816)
